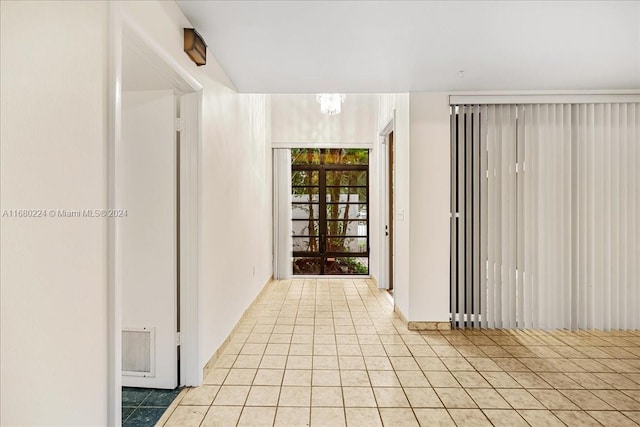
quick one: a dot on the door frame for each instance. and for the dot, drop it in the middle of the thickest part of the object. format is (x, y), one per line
(124, 29)
(322, 252)
(387, 205)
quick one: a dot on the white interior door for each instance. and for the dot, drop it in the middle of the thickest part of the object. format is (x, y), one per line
(147, 239)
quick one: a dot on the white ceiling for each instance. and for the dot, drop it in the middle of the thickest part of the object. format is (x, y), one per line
(399, 46)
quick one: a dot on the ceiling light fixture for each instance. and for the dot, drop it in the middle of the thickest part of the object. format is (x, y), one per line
(330, 103)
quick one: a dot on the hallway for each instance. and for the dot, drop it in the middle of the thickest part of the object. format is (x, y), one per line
(330, 352)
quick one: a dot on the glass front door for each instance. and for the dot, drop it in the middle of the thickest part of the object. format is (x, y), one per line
(330, 201)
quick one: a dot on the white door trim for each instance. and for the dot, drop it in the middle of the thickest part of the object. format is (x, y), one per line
(123, 29)
(384, 205)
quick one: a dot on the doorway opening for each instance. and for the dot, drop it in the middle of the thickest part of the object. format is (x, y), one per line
(390, 197)
(330, 208)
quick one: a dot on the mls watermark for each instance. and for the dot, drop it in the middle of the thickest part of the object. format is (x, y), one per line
(64, 213)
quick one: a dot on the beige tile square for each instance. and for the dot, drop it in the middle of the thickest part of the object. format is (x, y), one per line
(412, 379)
(612, 418)
(278, 349)
(553, 399)
(617, 399)
(423, 397)
(347, 339)
(297, 377)
(299, 362)
(263, 395)
(540, 418)
(187, 416)
(520, 398)
(400, 363)
(455, 398)
(253, 349)
(469, 418)
(586, 400)
(434, 417)
(292, 417)
(456, 364)
(375, 363)
(257, 416)
(372, 350)
(441, 379)
(324, 339)
(326, 396)
(483, 364)
(529, 380)
(240, 376)
(222, 416)
(559, 381)
(349, 350)
(283, 329)
(500, 380)
(301, 350)
(225, 361)
(325, 377)
(488, 398)
(327, 417)
(363, 417)
(216, 376)
(505, 418)
(231, 395)
(430, 364)
(421, 350)
(355, 378)
(280, 338)
(634, 415)
(471, 379)
(325, 362)
(358, 397)
(202, 395)
(369, 339)
(397, 350)
(390, 397)
(268, 377)
(295, 396)
(325, 350)
(247, 361)
(445, 351)
(384, 378)
(509, 364)
(351, 362)
(302, 339)
(576, 418)
(273, 362)
(398, 417)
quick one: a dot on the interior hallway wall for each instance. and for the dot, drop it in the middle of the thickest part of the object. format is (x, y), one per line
(235, 210)
(53, 357)
(430, 207)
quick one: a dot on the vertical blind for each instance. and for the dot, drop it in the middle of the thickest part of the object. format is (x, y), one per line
(546, 216)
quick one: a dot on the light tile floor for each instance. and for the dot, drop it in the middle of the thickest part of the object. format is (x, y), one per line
(326, 352)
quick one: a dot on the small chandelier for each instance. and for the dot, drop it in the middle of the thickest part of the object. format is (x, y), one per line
(330, 103)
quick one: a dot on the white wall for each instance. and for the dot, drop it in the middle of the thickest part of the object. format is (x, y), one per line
(430, 210)
(53, 357)
(296, 119)
(236, 183)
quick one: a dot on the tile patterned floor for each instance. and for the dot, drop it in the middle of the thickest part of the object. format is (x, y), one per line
(332, 352)
(143, 407)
